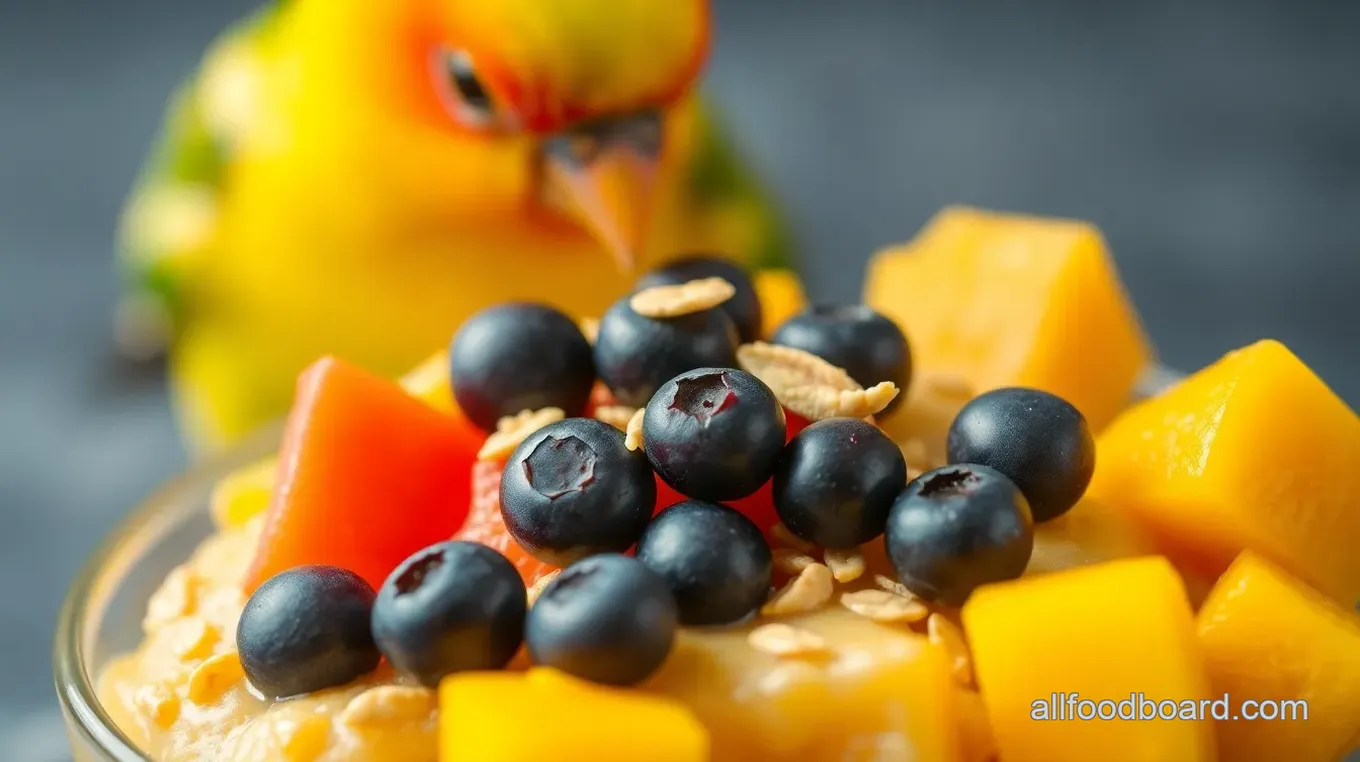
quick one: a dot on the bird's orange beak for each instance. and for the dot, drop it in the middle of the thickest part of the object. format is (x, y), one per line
(607, 170)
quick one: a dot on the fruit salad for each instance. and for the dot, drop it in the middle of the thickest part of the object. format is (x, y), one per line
(688, 531)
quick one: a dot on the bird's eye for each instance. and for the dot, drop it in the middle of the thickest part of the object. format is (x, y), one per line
(465, 95)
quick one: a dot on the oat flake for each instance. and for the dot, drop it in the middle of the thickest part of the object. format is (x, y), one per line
(633, 432)
(809, 591)
(512, 430)
(785, 640)
(883, 606)
(945, 634)
(683, 299)
(845, 565)
(388, 705)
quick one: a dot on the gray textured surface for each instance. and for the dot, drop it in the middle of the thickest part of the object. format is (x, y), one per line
(1217, 143)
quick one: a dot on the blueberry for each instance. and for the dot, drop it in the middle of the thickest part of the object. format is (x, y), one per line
(307, 629)
(867, 345)
(956, 528)
(714, 560)
(607, 618)
(714, 433)
(516, 357)
(744, 307)
(1038, 440)
(635, 355)
(452, 607)
(836, 481)
(572, 489)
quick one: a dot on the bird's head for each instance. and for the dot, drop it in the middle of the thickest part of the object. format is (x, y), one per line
(570, 93)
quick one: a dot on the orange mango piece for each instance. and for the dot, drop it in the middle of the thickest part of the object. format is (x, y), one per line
(244, 493)
(1267, 636)
(781, 297)
(368, 475)
(542, 715)
(1253, 452)
(1103, 632)
(1010, 300)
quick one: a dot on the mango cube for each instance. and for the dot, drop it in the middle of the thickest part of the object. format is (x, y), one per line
(1009, 300)
(781, 297)
(244, 494)
(1106, 632)
(543, 715)
(1253, 452)
(1268, 637)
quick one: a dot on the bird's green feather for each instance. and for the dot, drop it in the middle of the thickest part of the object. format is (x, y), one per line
(187, 163)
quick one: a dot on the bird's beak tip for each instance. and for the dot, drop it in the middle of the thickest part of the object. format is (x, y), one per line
(608, 171)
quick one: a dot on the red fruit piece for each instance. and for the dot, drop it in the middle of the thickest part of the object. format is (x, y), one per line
(368, 475)
(486, 525)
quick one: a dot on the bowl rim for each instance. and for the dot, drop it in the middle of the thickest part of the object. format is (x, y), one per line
(163, 509)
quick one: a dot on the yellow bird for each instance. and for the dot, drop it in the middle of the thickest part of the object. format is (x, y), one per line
(355, 178)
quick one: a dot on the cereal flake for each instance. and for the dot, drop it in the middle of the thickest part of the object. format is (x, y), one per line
(214, 677)
(536, 589)
(791, 560)
(385, 706)
(945, 634)
(514, 429)
(785, 640)
(809, 591)
(633, 431)
(845, 565)
(810, 386)
(891, 585)
(159, 703)
(683, 299)
(883, 606)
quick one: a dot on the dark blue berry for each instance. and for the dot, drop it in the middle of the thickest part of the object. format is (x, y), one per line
(1038, 440)
(836, 481)
(714, 433)
(572, 489)
(744, 307)
(516, 357)
(635, 355)
(867, 345)
(714, 560)
(956, 528)
(452, 607)
(606, 618)
(307, 629)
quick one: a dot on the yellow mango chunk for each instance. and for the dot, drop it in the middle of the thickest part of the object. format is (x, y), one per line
(781, 297)
(546, 716)
(1266, 636)
(429, 382)
(244, 493)
(976, 743)
(1010, 300)
(879, 692)
(1105, 633)
(1253, 452)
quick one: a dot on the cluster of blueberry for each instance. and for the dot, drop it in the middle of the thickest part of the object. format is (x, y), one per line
(575, 495)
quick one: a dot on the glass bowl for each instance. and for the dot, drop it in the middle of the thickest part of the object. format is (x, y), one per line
(102, 614)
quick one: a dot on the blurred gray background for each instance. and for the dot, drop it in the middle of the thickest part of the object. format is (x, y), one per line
(1216, 143)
